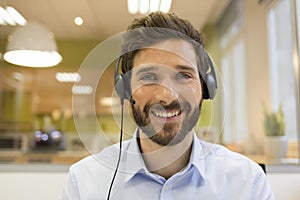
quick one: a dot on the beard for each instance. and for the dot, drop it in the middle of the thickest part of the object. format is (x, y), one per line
(169, 133)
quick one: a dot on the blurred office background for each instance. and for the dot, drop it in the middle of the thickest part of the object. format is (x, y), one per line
(53, 114)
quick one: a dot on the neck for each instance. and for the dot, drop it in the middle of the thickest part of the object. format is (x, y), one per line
(165, 160)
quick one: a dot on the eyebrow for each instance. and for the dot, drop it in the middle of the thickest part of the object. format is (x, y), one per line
(187, 67)
(146, 69)
(154, 68)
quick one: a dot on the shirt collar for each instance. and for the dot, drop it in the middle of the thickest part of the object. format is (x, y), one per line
(197, 158)
(134, 163)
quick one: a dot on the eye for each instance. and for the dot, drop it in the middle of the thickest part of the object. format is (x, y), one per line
(148, 77)
(183, 76)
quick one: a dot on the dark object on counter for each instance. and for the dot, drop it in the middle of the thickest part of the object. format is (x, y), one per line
(13, 142)
(54, 140)
(263, 166)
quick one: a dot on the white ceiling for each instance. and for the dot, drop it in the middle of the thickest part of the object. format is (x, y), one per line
(103, 18)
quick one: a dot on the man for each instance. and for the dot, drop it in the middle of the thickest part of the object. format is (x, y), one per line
(166, 77)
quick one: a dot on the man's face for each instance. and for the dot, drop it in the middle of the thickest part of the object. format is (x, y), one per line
(167, 90)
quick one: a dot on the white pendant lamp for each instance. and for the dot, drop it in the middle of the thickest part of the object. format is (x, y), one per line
(32, 45)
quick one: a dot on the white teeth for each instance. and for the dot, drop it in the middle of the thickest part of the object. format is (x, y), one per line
(166, 114)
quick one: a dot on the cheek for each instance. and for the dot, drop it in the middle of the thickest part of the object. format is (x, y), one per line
(142, 95)
(192, 93)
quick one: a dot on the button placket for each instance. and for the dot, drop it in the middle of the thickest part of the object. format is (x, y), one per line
(166, 188)
(166, 192)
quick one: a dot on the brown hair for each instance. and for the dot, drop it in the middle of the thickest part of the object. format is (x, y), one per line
(155, 27)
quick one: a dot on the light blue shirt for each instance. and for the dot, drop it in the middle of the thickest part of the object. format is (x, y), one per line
(213, 173)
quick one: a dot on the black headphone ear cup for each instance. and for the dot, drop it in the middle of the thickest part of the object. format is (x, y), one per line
(121, 82)
(210, 79)
(119, 86)
(205, 93)
(211, 85)
(122, 87)
(126, 85)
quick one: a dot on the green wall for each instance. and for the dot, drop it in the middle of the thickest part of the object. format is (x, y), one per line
(74, 52)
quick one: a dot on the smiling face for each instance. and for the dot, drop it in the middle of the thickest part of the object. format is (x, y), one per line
(166, 88)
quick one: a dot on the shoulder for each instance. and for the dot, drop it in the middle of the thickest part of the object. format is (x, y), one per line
(104, 160)
(230, 172)
(91, 176)
(229, 161)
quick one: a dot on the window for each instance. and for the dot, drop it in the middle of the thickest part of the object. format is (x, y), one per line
(282, 71)
(233, 69)
(234, 104)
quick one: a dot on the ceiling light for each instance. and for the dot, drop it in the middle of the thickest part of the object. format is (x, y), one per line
(78, 21)
(2, 22)
(32, 58)
(146, 6)
(67, 77)
(11, 16)
(82, 89)
(133, 6)
(32, 45)
(154, 5)
(165, 5)
(6, 17)
(109, 101)
(16, 16)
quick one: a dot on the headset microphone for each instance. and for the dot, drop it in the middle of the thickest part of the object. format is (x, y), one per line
(131, 100)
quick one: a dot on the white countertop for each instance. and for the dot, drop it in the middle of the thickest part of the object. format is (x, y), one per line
(39, 167)
(46, 167)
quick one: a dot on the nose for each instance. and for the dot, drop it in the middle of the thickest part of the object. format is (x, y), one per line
(166, 92)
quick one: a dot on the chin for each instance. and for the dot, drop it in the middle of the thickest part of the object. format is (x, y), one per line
(170, 135)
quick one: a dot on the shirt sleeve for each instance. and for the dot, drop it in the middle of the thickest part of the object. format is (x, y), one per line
(261, 188)
(70, 190)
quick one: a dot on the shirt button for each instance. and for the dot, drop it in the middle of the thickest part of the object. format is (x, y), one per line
(167, 188)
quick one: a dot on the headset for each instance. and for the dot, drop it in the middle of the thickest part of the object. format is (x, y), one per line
(121, 84)
(209, 86)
